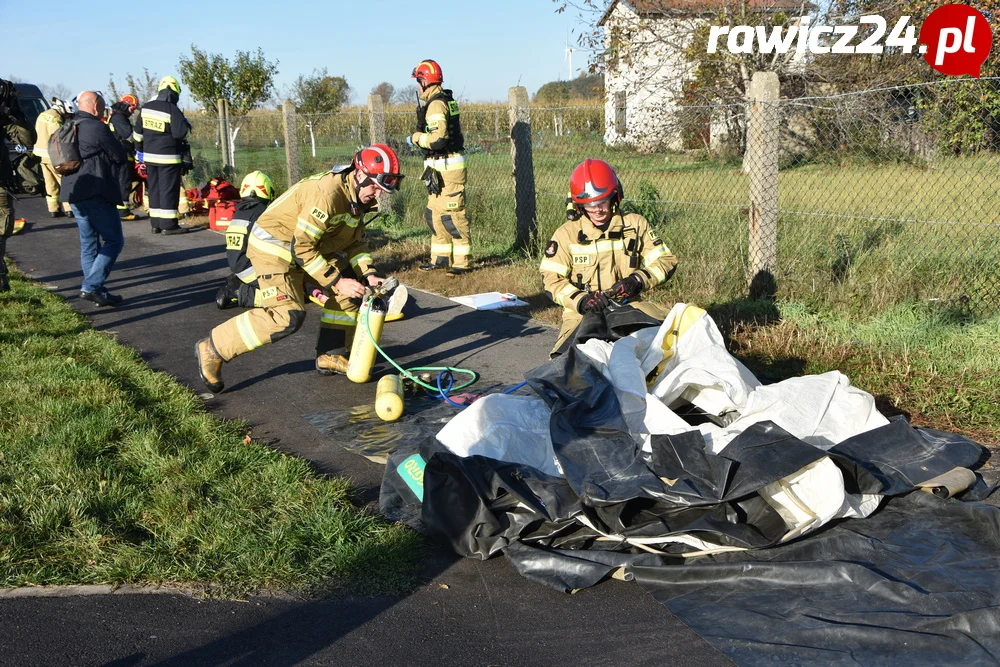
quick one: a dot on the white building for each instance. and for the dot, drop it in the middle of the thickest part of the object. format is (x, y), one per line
(645, 69)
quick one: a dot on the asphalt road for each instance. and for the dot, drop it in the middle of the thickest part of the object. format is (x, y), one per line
(467, 613)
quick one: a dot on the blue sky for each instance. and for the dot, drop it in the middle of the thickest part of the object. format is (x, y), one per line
(483, 47)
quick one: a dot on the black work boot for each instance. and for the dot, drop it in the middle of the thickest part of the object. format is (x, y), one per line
(4, 283)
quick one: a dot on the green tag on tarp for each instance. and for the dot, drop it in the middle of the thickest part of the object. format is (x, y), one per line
(412, 472)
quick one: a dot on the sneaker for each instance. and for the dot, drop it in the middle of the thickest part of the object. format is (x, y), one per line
(331, 364)
(209, 365)
(115, 299)
(455, 271)
(99, 298)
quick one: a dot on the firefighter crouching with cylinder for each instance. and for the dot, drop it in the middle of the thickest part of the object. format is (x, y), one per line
(240, 289)
(439, 136)
(602, 254)
(315, 229)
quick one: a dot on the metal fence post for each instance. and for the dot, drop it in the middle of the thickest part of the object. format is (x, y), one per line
(762, 169)
(376, 132)
(524, 169)
(291, 142)
(227, 168)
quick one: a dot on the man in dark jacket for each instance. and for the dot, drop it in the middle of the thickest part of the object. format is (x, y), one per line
(159, 134)
(93, 194)
(13, 126)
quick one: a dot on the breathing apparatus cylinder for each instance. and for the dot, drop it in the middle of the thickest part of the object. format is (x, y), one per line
(389, 398)
(371, 317)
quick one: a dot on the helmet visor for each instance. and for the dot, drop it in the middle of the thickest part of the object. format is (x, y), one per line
(388, 182)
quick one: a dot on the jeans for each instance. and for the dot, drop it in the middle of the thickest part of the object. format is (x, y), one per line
(101, 240)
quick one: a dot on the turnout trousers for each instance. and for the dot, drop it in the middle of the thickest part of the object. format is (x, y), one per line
(281, 313)
(53, 183)
(163, 184)
(449, 225)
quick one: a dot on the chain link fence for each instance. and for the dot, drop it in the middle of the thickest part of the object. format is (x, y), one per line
(859, 200)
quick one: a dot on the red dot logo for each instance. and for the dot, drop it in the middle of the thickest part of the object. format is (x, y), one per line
(956, 39)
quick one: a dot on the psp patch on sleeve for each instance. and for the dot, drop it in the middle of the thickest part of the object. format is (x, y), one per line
(319, 214)
(551, 249)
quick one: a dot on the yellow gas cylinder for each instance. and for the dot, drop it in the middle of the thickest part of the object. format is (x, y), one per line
(389, 398)
(371, 317)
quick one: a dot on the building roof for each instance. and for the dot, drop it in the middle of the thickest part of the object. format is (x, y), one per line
(651, 8)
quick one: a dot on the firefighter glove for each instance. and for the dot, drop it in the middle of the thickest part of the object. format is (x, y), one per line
(594, 302)
(626, 289)
(432, 179)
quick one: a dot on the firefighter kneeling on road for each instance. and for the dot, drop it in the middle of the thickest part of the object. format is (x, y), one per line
(315, 229)
(256, 192)
(602, 255)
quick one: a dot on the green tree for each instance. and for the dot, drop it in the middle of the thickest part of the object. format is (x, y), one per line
(316, 94)
(245, 82)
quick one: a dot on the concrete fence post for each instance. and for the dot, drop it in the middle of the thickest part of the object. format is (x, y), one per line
(524, 169)
(290, 123)
(377, 134)
(227, 167)
(763, 148)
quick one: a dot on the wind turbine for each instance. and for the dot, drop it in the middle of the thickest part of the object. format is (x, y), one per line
(569, 58)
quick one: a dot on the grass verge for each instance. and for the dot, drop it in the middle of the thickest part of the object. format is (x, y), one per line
(112, 473)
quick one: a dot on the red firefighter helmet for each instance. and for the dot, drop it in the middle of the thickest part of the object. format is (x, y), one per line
(380, 165)
(594, 181)
(429, 71)
(130, 100)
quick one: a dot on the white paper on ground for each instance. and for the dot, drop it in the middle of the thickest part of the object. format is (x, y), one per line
(489, 300)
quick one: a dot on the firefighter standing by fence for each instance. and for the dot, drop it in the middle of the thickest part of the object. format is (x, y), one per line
(121, 127)
(240, 288)
(439, 136)
(45, 125)
(159, 134)
(602, 254)
(315, 230)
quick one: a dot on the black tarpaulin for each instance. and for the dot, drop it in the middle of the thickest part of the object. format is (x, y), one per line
(918, 581)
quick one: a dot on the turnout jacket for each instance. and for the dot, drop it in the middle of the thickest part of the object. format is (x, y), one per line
(439, 130)
(581, 258)
(121, 127)
(160, 129)
(248, 210)
(45, 125)
(318, 226)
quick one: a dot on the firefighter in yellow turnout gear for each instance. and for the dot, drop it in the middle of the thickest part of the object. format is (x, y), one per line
(315, 229)
(439, 136)
(602, 254)
(45, 125)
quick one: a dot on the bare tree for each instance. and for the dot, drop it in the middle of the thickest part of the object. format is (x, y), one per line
(384, 90)
(406, 95)
(143, 86)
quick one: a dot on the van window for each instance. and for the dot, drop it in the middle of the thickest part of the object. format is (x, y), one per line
(32, 106)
